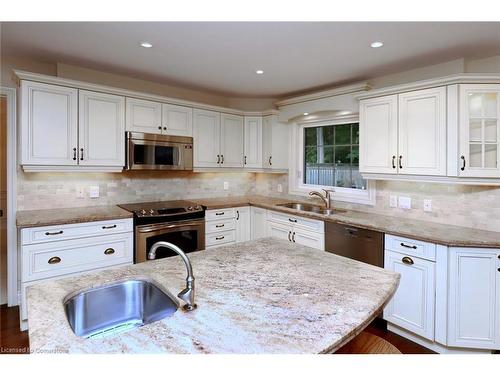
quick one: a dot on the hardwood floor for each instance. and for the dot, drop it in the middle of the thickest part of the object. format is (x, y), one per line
(13, 341)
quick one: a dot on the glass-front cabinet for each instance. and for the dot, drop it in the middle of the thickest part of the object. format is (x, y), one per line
(479, 130)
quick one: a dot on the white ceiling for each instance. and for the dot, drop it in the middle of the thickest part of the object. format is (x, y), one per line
(222, 57)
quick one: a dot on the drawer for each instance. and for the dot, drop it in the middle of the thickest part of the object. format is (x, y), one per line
(220, 225)
(58, 258)
(317, 226)
(226, 213)
(403, 245)
(73, 231)
(219, 238)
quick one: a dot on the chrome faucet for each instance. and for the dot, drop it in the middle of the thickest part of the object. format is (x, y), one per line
(325, 198)
(187, 294)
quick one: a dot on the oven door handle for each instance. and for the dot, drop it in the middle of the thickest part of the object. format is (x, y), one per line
(151, 228)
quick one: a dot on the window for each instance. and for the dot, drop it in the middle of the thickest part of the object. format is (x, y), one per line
(331, 156)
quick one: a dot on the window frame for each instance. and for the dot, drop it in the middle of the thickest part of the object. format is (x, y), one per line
(296, 172)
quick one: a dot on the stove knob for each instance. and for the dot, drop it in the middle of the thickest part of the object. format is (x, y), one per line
(143, 212)
(151, 212)
(197, 207)
(190, 208)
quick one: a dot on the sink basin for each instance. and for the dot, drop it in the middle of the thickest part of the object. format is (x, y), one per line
(311, 208)
(117, 307)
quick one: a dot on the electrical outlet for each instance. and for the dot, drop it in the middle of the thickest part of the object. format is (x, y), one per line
(404, 203)
(226, 185)
(80, 193)
(280, 188)
(94, 191)
(393, 201)
(427, 205)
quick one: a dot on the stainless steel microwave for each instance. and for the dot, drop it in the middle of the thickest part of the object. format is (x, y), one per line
(160, 152)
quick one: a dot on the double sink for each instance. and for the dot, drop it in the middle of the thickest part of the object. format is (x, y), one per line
(311, 208)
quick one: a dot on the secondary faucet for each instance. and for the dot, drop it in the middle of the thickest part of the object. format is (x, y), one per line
(325, 198)
(187, 294)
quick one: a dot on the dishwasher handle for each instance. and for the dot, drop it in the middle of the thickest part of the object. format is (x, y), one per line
(352, 232)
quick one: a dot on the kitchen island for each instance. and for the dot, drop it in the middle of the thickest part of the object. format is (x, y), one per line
(264, 296)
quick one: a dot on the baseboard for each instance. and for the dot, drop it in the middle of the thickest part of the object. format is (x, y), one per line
(432, 345)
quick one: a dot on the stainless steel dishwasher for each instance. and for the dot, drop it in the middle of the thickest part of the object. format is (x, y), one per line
(360, 244)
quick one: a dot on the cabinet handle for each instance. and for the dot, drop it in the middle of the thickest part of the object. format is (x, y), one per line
(293, 237)
(289, 234)
(219, 238)
(109, 226)
(270, 160)
(54, 233)
(222, 159)
(81, 154)
(400, 162)
(408, 246)
(292, 220)
(499, 257)
(394, 161)
(54, 260)
(219, 226)
(245, 160)
(219, 213)
(463, 163)
(407, 260)
(218, 159)
(109, 251)
(74, 153)
(237, 215)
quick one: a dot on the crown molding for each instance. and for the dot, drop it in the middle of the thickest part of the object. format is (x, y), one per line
(356, 87)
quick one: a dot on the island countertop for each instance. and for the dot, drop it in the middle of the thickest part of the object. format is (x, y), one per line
(264, 296)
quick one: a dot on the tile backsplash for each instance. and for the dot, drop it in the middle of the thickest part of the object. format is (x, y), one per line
(463, 205)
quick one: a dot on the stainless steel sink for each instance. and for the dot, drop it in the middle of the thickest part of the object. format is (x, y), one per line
(117, 307)
(311, 208)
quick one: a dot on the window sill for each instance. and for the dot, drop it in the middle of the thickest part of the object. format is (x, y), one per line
(364, 197)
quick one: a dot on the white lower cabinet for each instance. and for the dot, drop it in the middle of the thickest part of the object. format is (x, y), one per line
(474, 298)
(243, 226)
(258, 223)
(412, 307)
(304, 231)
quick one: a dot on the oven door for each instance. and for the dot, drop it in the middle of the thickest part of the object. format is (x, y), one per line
(148, 154)
(188, 235)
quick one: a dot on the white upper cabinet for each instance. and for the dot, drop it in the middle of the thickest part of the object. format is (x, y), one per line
(422, 132)
(231, 141)
(275, 140)
(479, 129)
(253, 142)
(206, 138)
(143, 116)
(177, 120)
(49, 124)
(378, 135)
(101, 129)
(474, 298)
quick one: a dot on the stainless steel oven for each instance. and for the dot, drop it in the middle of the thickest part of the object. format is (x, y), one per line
(161, 152)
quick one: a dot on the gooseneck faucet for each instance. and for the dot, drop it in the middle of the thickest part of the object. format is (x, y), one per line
(187, 294)
(325, 198)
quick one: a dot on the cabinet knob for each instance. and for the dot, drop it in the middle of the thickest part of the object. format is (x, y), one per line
(109, 251)
(159, 127)
(54, 260)
(407, 260)
(164, 128)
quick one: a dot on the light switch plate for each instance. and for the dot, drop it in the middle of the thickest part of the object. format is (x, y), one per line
(427, 205)
(81, 193)
(226, 185)
(393, 201)
(280, 188)
(94, 191)
(404, 203)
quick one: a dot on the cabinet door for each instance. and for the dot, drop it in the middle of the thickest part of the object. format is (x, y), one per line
(308, 238)
(143, 116)
(280, 144)
(231, 141)
(49, 124)
(243, 232)
(177, 120)
(412, 307)
(101, 129)
(258, 225)
(253, 142)
(378, 135)
(206, 138)
(474, 308)
(280, 231)
(422, 132)
(267, 141)
(479, 129)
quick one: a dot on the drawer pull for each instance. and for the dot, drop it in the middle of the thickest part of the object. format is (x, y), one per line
(219, 238)
(219, 213)
(292, 220)
(407, 260)
(109, 226)
(219, 226)
(54, 233)
(54, 260)
(109, 251)
(408, 246)
(293, 237)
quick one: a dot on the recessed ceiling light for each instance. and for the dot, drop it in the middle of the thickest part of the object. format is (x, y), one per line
(146, 45)
(377, 44)
(306, 113)
(259, 71)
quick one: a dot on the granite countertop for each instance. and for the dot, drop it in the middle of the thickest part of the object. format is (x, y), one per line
(448, 235)
(40, 218)
(264, 296)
